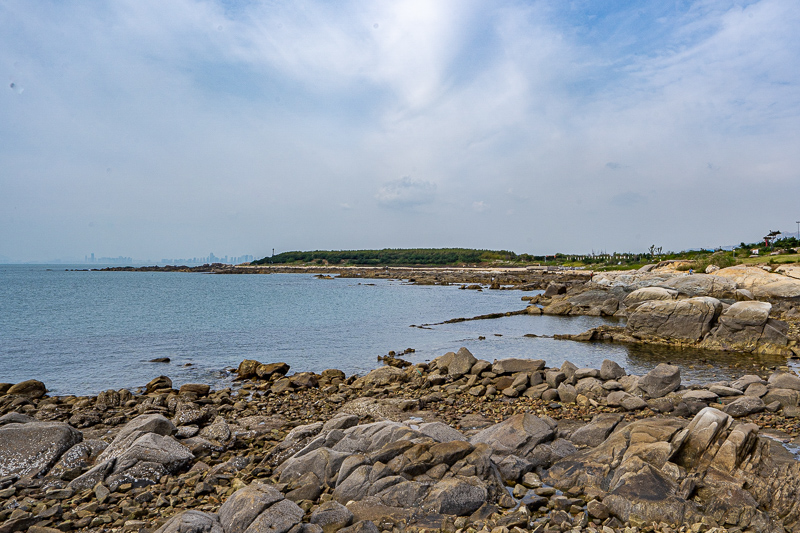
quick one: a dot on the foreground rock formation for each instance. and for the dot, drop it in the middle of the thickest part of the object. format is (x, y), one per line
(457, 444)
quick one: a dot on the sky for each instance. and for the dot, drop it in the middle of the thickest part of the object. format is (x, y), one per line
(173, 129)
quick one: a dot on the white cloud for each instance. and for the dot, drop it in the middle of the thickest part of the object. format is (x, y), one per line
(406, 192)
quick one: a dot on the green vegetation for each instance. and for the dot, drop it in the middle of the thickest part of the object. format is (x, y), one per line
(396, 257)
(697, 260)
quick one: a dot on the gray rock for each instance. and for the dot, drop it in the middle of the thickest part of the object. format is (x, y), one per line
(355, 486)
(702, 431)
(722, 390)
(645, 294)
(80, 456)
(646, 495)
(660, 381)
(141, 474)
(134, 429)
(244, 505)
(340, 421)
(218, 431)
(701, 285)
(441, 432)
(31, 449)
(745, 381)
(15, 418)
(191, 522)
(596, 431)
(363, 526)
(782, 380)
(699, 395)
(611, 370)
(746, 405)
(756, 389)
(567, 393)
(687, 320)
(94, 476)
(461, 363)
(456, 496)
(367, 438)
(331, 516)
(517, 435)
(277, 518)
(512, 366)
(324, 462)
(786, 397)
(513, 467)
(155, 448)
(403, 493)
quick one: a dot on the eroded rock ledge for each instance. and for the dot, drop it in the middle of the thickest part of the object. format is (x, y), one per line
(457, 444)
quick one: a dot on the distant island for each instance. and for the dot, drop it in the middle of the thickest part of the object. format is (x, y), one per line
(779, 251)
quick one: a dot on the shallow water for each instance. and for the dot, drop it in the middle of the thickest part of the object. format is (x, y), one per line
(84, 332)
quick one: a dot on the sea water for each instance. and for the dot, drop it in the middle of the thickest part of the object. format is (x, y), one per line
(84, 332)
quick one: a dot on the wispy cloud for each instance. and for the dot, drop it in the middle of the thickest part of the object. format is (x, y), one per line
(268, 109)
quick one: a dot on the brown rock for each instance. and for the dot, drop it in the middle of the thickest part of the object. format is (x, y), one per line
(31, 388)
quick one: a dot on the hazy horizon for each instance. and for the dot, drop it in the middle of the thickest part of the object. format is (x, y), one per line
(170, 130)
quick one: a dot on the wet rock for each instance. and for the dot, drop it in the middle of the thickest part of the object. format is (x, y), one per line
(159, 383)
(266, 371)
(199, 389)
(32, 449)
(247, 369)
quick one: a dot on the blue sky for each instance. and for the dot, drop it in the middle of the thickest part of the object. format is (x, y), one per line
(171, 129)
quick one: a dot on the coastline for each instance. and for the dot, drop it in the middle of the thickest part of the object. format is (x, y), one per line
(249, 438)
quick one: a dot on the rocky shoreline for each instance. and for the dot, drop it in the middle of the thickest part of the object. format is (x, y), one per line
(459, 444)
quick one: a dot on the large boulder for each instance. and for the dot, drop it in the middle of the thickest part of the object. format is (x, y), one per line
(701, 285)
(645, 294)
(141, 425)
(32, 449)
(763, 285)
(512, 365)
(517, 435)
(154, 448)
(682, 320)
(746, 327)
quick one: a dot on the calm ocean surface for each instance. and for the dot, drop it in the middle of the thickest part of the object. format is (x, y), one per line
(84, 332)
